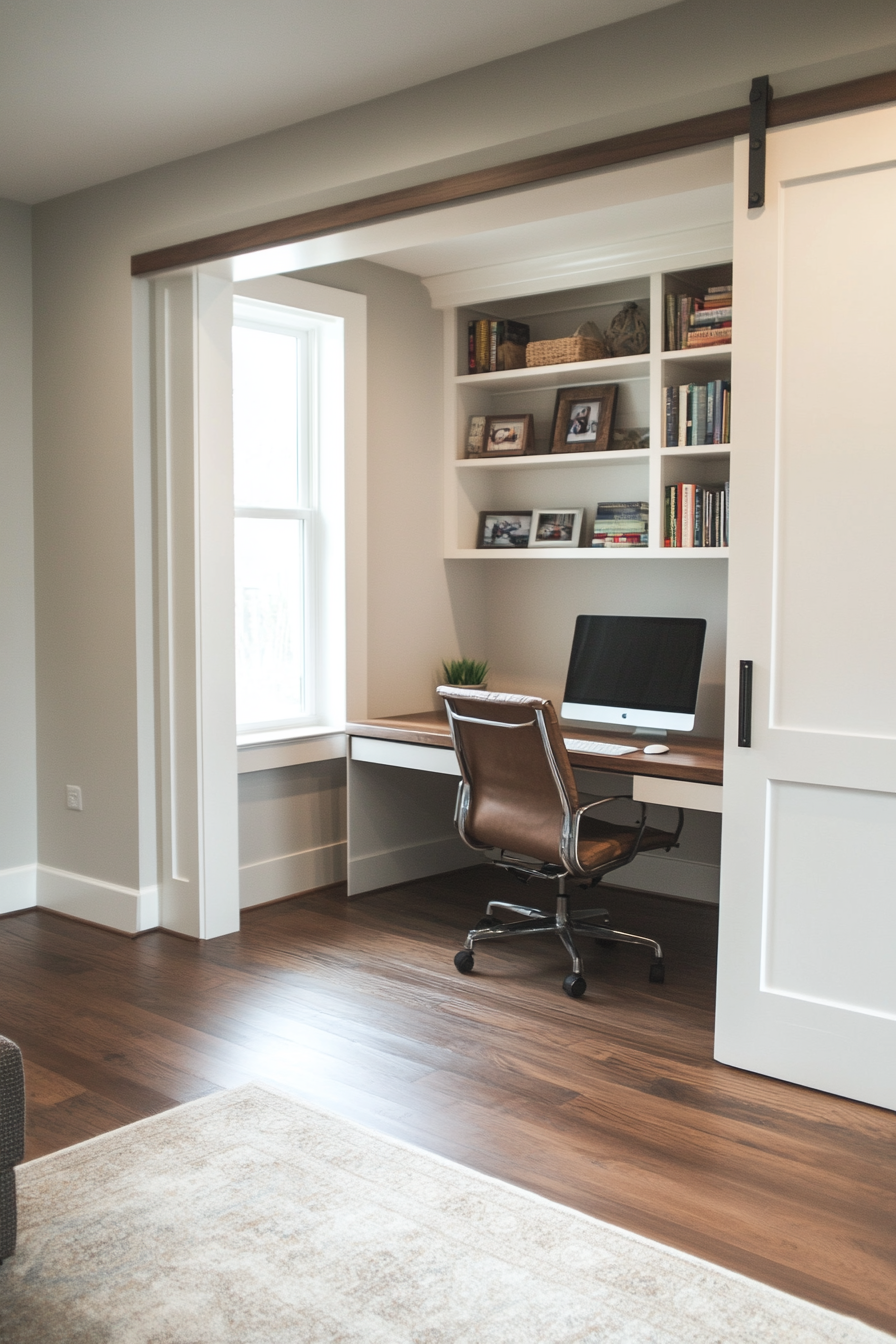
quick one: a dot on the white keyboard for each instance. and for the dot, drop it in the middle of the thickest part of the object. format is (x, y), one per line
(597, 748)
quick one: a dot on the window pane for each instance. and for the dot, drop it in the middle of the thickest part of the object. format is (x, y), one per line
(270, 635)
(265, 418)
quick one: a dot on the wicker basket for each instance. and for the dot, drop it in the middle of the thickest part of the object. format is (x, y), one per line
(569, 350)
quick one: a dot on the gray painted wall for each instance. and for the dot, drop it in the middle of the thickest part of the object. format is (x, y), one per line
(690, 58)
(412, 622)
(18, 807)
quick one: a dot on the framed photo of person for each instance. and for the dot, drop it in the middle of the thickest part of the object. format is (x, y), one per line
(556, 527)
(507, 436)
(505, 530)
(583, 419)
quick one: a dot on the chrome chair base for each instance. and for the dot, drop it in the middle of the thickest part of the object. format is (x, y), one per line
(564, 924)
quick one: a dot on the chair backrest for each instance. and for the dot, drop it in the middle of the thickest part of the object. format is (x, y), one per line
(518, 790)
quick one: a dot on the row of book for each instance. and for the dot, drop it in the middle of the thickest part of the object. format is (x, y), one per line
(618, 524)
(696, 515)
(693, 324)
(496, 345)
(698, 413)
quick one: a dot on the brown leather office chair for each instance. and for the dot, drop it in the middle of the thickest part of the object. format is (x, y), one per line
(518, 794)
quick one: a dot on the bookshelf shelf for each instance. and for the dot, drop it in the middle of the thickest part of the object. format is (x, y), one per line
(551, 461)
(560, 375)
(561, 553)
(596, 554)
(710, 353)
(708, 452)
(692, 552)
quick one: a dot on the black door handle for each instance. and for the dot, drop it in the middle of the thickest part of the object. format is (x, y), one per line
(745, 704)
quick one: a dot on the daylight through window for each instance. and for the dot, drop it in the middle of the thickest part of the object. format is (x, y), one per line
(275, 451)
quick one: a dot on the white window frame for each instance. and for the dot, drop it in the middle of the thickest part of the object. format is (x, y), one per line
(338, 320)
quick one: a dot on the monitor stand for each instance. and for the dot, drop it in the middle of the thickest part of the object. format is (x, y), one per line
(658, 733)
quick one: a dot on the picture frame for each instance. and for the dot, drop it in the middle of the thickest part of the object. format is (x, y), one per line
(556, 527)
(508, 436)
(583, 418)
(504, 529)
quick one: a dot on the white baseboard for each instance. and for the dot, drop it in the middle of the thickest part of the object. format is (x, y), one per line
(670, 877)
(290, 874)
(373, 871)
(18, 888)
(125, 909)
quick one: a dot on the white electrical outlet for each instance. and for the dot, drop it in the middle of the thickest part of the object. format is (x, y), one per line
(73, 797)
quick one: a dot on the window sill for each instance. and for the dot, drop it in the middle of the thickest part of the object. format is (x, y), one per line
(289, 746)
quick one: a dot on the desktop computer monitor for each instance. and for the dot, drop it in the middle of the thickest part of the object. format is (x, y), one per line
(641, 671)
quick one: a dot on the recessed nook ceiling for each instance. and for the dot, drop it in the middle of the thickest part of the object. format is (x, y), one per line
(602, 226)
(94, 89)
(568, 233)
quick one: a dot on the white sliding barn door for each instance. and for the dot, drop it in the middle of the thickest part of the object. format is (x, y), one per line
(807, 975)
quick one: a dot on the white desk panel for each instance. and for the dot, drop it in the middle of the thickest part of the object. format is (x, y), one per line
(409, 755)
(677, 793)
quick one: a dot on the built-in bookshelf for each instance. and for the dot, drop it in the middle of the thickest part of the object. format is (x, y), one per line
(474, 485)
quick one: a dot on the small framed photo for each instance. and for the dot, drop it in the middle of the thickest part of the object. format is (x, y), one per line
(556, 527)
(504, 531)
(508, 435)
(583, 419)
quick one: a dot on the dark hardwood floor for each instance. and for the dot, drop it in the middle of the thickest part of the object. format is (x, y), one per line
(611, 1103)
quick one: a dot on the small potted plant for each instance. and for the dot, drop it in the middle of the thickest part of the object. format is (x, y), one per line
(469, 672)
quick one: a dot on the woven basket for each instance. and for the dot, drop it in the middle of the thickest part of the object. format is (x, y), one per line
(569, 350)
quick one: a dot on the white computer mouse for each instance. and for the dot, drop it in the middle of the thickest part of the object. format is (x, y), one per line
(655, 749)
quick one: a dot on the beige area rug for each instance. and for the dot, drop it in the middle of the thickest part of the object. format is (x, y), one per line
(251, 1217)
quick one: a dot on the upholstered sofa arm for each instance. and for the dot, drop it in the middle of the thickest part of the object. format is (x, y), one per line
(12, 1138)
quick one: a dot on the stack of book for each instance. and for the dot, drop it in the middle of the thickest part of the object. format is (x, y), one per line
(496, 345)
(696, 515)
(693, 323)
(698, 414)
(620, 524)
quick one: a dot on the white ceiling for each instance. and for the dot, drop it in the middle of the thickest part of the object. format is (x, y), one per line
(94, 89)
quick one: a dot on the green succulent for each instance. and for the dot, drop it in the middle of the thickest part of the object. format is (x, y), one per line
(465, 672)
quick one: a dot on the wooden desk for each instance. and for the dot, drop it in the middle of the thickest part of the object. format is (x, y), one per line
(697, 760)
(399, 819)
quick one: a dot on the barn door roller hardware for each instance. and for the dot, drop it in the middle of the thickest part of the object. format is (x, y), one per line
(760, 97)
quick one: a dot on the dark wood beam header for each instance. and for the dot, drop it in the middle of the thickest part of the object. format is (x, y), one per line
(848, 97)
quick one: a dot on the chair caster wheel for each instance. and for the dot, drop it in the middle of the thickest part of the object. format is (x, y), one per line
(488, 923)
(464, 962)
(574, 986)
(657, 973)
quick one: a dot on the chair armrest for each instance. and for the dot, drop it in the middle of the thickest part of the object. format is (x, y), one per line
(12, 1139)
(599, 802)
(12, 1104)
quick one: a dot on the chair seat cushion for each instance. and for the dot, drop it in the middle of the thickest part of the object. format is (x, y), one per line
(602, 842)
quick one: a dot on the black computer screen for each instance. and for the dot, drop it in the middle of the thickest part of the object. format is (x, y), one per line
(636, 662)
